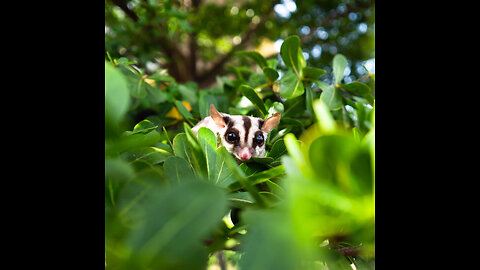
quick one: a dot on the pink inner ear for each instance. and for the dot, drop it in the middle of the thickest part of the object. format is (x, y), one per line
(216, 116)
(271, 122)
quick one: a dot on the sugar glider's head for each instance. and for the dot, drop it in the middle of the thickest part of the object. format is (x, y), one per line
(243, 136)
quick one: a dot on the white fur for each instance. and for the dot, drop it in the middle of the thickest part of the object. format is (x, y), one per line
(258, 151)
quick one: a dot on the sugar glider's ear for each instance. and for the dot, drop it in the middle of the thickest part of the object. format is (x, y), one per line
(271, 122)
(216, 116)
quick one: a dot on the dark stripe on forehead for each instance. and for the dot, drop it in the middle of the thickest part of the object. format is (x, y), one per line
(226, 119)
(229, 121)
(246, 125)
(260, 123)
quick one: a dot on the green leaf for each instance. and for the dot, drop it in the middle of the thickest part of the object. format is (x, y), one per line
(309, 99)
(204, 102)
(278, 149)
(198, 159)
(151, 155)
(161, 77)
(331, 97)
(261, 160)
(117, 96)
(224, 176)
(271, 74)
(118, 170)
(177, 170)
(240, 199)
(289, 51)
(338, 158)
(208, 142)
(312, 73)
(267, 174)
(290, 85)
(165, 228)
(156, 95)
(276, 107)
(272, 63)
(140, 90)
(241, 177)
(131, 141)
(184, 112)
(279, 134)
(250, 93)
(271, 242)
(207, 137)
(358, 88)
(258, 178)
(256, 56)
(144, 126)
(339, 65)
(324, 118)
(188, 92)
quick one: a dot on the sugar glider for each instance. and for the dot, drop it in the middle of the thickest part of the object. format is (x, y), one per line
(243, 136)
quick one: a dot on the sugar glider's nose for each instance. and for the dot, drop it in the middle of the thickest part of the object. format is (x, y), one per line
(244, 154)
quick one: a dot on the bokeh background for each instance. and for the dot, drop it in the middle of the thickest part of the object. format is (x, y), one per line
(195, 39)
(174, 201)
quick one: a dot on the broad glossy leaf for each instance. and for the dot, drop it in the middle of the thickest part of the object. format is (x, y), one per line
(357, 88)
(309, 99)
(278, 149)
(156, 95)
(279, 134)
(290, 85)
(271, 74)
(270, 242)
(117, 97)
(161, 77)
(144, 126)
(130, 141)
(331, 97)
(267, 174)
(204, 102)
(272, 63)
(312, 73)
(340, 159)
(261, 160)
(259, 177)
(250, 93)
(151, 155)
(198, 159)
(183, 111)
(169, 225)
(256, 56)
(117, 169)
(208, 142)
(289, 51)
(276, 107)
(188, 92)
(177, 170)
(240, 176)
(240, 199)
(324, 118)
(339, 65)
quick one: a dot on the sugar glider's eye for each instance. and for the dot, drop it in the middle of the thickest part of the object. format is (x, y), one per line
(231, 137)
(258, 139)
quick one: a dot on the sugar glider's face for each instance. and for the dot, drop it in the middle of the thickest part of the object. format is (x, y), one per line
(243, 136)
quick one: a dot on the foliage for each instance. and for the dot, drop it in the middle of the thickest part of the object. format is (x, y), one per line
(197, 40)
(174, 200)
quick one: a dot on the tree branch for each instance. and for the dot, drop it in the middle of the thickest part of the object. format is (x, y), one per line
(123, 6)
(207, 77)
(192, 44)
